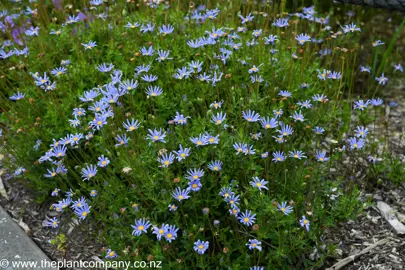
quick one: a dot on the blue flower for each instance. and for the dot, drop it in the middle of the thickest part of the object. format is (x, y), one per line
(247, 218)
(211, 139)
(89, 172)
(246, 19)
(256, 268)
(254, 244)
(285, 130)
(58, 71)
(93, 193)
(302, 38)
(122, 140)
(398, 67)
(259, 183)
(355, 143)
(59, 151)
(132, 25)
(278, 113)
(304, 223)
(150, 27)
(52, 222)
(104, 68)
(75, 138)
(284, 93)
(156, 135)
(195, 174)
(147, 52)
(361, 132)
(141, 226)
(19, 171)
(284, 208)
(320, 98)
(321, 156)
(219, 118)
(376, 102)
(79, 112)
(82, 212)
(268, 123)
(278, 156)
(270, 40)
(55, 192)
(160, 231)
(200, 140)
(201, 246)
(334, 75)
(90, 45)
(251, 116)
(194, 185)
(131, 125)
(166, 29)
(281, 23)
(239, 147)
(110, 254)
(257, 33)
(103, 161)
(17, 96)
(163, 55)
(215, 165)
(180, 194)
(382, 80)
(296, 154)
(216, 104)
(226, 192)
(361, 105)
(297, 116)
(179, 119)
(142, 68)
(232, 200)
(305, 104)
(377, 43)
(172, 207)
(154, 91)
(171, 233)
(365, 69)
(149, 78)
(350, 28)
(318, 130)
(166, 160)
(254, 69)
(182, 153)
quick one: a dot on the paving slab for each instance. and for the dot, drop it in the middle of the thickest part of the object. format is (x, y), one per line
(17, 250)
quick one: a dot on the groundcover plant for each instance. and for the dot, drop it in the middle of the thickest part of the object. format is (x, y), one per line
(201, 135)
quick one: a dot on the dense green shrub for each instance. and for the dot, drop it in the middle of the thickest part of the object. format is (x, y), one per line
(263, 107)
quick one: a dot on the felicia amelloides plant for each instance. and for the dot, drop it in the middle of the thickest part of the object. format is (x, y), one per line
(203, 136)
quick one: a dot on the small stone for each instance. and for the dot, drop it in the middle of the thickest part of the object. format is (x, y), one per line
(377, 197)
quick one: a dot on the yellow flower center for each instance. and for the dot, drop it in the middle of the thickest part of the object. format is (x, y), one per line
(140, 228)
(84, 214)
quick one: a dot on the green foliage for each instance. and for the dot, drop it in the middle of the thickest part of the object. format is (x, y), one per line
(135, 185)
